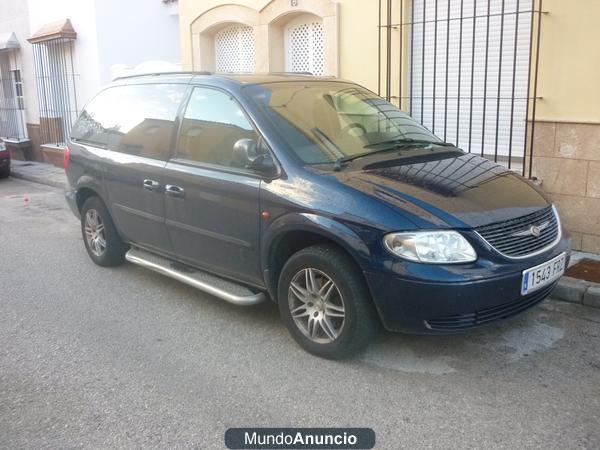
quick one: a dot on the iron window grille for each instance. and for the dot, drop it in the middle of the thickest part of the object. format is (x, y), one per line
(467, 70)
(56, 88)
(12, 114)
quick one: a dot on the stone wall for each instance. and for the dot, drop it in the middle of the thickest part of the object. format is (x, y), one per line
(566, 159)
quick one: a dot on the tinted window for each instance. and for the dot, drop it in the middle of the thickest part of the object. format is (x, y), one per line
(212, 123)
(136, 119)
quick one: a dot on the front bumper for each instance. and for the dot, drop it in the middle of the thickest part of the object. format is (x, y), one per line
(4, 164)
(425, 299)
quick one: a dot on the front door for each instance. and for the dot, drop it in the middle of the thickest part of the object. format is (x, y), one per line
(212, 202)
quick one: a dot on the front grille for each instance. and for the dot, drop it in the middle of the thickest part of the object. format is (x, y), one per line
(481, 317)
(512, 237)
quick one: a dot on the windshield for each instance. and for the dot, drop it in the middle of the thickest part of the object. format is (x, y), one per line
(324, 121)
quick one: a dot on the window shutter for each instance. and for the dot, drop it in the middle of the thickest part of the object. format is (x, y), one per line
(234, 49)
(478, 85)
(304, 47)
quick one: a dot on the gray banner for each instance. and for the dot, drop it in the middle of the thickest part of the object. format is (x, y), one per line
(301, 438)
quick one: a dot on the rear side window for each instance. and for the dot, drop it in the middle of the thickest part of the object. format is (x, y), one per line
(135, 119)
(97, 119)
(212, 123)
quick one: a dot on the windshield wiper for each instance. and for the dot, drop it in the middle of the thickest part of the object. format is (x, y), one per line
(397, 143)
(337, 166)
(406, 142)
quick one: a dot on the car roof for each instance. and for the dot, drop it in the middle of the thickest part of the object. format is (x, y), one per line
(218, 78)
(261, 78)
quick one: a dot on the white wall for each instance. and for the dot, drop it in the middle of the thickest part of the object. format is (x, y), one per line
(14, 18)
(109, 32)
(82, 16)
(134, 31)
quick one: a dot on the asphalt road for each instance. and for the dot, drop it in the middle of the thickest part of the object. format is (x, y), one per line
(93, 357)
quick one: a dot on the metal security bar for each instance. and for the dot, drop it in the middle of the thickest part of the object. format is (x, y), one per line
(467, 70)
(12, 114)
(57, 97)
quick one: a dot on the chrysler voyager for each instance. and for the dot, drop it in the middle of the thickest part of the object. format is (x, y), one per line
(314, 193)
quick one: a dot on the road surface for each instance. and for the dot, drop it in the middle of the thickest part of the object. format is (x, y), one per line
(123, 357)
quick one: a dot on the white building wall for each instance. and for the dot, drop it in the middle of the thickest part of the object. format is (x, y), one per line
(136, 31)
(109, 32)
(82, 16)
(14, 17)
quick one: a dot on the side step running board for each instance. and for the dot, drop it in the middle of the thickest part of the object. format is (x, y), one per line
(211, 284)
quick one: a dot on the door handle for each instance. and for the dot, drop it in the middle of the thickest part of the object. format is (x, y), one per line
(174, 191)
(151, 185)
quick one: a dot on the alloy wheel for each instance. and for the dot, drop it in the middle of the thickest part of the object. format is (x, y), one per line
(316, 305)
(95, 234)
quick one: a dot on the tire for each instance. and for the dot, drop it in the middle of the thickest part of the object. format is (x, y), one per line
(5, 173)
(109, 250)
(349, 297)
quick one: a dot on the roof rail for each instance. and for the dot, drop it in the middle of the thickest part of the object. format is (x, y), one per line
(153, 74)
(293, 73)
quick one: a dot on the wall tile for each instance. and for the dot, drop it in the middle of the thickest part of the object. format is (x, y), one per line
(576, 239)
(579, 214)
(560, 175)
(578, 141)
(590, 243)
(593, 179)
(544, 138)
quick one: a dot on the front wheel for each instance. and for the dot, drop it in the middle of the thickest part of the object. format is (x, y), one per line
(102, 242)
(325, 303)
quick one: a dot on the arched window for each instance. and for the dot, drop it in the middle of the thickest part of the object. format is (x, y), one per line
(304, 49)
(234, 49)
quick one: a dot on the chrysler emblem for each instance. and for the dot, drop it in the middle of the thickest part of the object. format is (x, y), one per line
(534, 230)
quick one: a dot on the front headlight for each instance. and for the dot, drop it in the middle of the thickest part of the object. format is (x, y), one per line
(437, 247)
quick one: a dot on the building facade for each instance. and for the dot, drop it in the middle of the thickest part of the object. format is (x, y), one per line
(514, 80)
(55, 55)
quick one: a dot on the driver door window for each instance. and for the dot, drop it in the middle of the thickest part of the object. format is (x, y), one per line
(213, 122)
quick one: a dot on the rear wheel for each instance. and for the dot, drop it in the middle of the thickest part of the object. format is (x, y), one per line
(102, 242)
(4, 173)
(325, 303)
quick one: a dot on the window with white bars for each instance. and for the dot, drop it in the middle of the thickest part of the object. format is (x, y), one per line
(56, 87)
(12, 114)
(304, 46)
(470, 71)
(234, 49)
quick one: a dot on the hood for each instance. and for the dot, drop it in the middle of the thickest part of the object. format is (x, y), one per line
(447, 189)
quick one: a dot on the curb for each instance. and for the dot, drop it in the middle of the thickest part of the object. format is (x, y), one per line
(574, 290)
(40, 180)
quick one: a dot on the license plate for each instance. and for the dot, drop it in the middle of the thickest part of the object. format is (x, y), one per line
(537, 277)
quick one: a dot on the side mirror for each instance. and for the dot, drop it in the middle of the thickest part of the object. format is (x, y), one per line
(253, 155)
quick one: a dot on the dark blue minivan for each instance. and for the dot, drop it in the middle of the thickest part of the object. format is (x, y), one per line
(314, 193)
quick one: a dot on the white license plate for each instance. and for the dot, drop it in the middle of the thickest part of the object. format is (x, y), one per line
(537, 277)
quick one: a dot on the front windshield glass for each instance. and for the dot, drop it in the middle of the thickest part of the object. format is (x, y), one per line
(324, 121)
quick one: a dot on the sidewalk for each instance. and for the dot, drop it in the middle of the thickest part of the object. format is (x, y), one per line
(575, 290)
(39, 173)
(569, 289)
